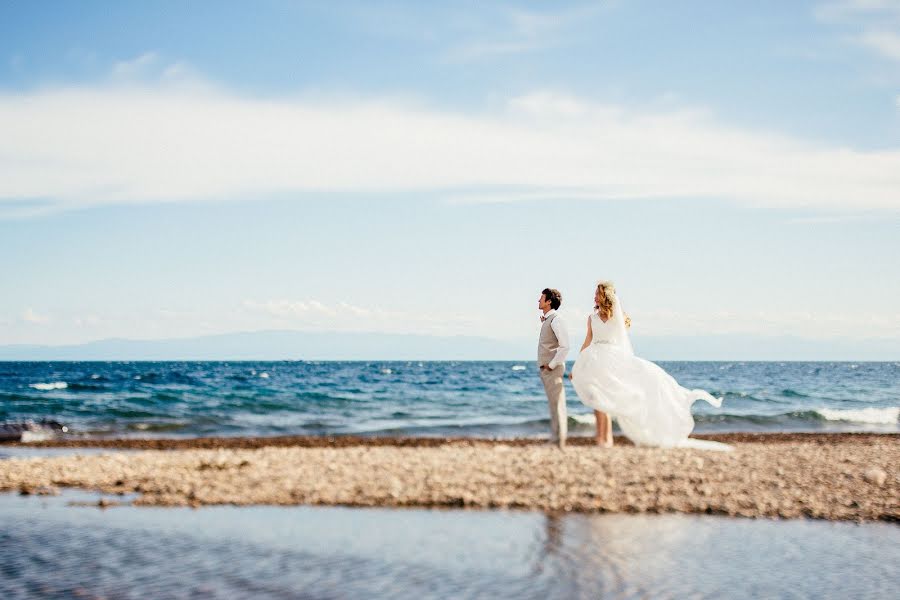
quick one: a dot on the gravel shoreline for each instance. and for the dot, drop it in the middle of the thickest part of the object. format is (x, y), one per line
(823, 476)
(345, 441)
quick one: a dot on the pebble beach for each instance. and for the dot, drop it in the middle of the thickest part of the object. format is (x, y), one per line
(850, 477)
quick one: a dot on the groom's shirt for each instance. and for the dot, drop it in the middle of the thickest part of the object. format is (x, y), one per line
(562, 337)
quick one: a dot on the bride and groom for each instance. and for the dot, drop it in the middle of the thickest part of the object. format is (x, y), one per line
(652, 409)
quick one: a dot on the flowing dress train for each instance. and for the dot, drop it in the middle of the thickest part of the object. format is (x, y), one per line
(651, 408)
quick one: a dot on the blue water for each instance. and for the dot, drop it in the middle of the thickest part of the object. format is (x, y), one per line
(501, 399)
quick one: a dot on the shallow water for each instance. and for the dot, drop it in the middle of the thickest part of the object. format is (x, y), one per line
(166, 399)
(49, 549)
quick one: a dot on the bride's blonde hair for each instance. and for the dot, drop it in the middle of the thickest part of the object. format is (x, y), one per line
(607, 291)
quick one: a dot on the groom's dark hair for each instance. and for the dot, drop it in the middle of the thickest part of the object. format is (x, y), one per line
(553, 297)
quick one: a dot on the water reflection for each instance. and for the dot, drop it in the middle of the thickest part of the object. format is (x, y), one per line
(51, 549)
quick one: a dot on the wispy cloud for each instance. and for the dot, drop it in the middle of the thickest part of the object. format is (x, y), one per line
(169, 141)
(84, 324)
(874, 24)
(888, 11)
(151, 67)
(517, 31)
(481, 49)
(345, 316)
(138, 66)
(886, 43)
(314, 315)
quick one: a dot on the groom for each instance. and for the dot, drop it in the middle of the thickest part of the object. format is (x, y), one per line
(553, 345)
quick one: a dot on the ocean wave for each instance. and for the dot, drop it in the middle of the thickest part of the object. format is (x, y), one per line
(518, 367)
(875, 416)
(742, 396)
(587, 419)
(871, 416)
(54, 385)
(35, 436)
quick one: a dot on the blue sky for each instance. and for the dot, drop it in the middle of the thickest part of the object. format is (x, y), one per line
(170, 170)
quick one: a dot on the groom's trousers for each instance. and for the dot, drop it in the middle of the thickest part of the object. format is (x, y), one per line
(556, 400)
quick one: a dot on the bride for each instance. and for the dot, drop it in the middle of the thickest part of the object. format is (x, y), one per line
(649, 405)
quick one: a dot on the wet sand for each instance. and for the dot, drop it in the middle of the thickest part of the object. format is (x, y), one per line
(823, 476)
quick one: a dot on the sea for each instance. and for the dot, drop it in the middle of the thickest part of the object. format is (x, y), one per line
(66, 547)
(494, 399)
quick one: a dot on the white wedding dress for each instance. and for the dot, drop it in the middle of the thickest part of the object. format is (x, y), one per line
(648, 404)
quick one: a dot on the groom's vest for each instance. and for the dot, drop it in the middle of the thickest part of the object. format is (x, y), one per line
(547, 343)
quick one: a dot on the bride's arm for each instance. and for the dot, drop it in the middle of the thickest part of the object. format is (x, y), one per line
(587, 341)
(589, 336)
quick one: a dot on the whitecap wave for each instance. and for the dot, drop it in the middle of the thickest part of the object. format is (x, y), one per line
(264, 375)
(518, 367)
(878, 416)
(35, 436)
(54, 385)
(587, 419)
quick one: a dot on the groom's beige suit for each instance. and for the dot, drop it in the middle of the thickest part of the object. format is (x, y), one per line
(553, 345)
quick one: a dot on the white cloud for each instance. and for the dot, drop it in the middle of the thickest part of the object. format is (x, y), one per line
(549, 104)
(136, 67)
(344, 316)
(291, 308)
(178, 71)
(71, 326)
(481, 49)
(886, 43)
(30, 316)
(848, 10)
(517, 31)
(166, 142)
(874, 23)
(149, 68)
(312, 315)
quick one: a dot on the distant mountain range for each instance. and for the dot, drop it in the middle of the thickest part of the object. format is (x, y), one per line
(277, 345)
(299, 345)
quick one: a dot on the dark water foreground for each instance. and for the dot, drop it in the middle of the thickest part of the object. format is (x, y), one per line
(49, 549)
